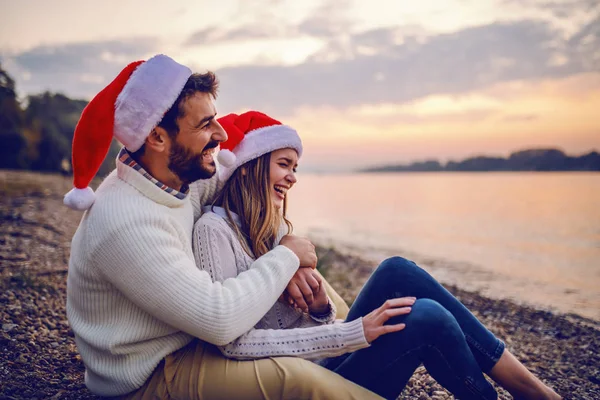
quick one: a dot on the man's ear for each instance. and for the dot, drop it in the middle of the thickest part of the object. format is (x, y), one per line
(158, 140)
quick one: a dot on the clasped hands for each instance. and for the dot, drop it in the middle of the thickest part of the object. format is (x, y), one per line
(307, 292)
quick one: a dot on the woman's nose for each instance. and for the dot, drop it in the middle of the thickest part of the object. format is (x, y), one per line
(291, 177)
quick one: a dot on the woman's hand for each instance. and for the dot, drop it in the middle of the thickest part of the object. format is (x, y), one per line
(301, 290)
(373, 323)
(320, 304)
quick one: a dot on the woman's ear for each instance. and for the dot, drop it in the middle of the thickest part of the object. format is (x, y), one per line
(243, 171)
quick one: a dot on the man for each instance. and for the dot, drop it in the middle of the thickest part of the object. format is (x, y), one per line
(141, 311)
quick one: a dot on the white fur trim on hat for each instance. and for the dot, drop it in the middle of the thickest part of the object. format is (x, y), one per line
(80, 199)
(226, 158)
(258, 142)
(148, 95)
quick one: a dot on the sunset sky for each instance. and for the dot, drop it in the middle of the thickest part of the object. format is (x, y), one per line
(365, 82)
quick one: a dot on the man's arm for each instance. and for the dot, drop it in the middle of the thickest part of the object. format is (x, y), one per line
(203, 192)
(148, 264)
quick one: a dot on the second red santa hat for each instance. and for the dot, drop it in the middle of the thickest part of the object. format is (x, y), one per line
(250, 135)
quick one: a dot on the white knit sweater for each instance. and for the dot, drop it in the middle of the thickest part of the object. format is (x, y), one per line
(134, 293)
(283, 331)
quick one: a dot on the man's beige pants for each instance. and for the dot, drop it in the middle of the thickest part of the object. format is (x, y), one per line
(200, 371)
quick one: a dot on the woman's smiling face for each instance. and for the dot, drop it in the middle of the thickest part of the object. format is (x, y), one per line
(282, 174)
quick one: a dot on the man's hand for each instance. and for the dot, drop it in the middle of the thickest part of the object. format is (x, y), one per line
(303, 249)
(373, 323)
(301, 290)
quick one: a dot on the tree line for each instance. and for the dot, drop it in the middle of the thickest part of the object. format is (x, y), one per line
(524, 160)
(36, 134)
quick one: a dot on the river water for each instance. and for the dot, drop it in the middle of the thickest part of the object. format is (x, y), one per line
(530, 237)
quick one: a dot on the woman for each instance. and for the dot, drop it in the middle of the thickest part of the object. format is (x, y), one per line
(401, 318)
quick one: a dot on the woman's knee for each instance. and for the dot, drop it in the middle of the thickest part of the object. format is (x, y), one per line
(398, 268)
(429, 316)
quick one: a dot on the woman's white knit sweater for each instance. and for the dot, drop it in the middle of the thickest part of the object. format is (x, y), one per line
(283, 331)
(134, 293)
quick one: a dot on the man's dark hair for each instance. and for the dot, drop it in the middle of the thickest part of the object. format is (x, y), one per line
(203, 83)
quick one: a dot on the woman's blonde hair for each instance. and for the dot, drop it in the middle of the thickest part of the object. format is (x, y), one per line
(248, 194)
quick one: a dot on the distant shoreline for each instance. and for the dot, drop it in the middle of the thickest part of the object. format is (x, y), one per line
(531, 160)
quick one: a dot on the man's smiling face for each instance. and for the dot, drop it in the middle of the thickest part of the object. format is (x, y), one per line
(191, 152)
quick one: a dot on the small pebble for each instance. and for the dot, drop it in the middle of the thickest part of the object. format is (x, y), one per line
(8, 327)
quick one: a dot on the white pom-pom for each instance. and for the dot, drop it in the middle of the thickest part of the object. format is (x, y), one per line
(79, 199)
(226, 158)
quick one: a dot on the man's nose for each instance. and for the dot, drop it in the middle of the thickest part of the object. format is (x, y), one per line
(219, 134)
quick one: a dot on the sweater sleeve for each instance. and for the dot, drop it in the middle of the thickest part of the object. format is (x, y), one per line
(312, 343)
(328, 317)
(203, 192)
(146, 262)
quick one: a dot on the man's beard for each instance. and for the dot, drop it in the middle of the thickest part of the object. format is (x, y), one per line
(189, 166)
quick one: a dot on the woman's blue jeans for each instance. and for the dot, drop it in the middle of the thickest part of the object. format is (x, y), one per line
(440, 333)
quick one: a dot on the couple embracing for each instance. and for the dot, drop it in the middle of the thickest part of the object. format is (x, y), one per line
(186, 282)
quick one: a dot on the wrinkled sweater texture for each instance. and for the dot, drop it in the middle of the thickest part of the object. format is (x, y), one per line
(134, 292)
(284, 330)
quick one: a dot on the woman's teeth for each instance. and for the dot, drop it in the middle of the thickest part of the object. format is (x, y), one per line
(281, 189)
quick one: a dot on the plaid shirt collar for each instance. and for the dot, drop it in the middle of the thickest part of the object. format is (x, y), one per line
(125, 158)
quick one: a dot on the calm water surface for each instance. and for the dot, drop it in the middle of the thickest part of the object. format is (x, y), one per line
(532, 237)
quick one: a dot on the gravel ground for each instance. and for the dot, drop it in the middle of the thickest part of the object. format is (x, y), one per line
(39, 360)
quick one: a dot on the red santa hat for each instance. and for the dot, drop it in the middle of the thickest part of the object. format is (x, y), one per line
(250, 135)
(129, 108)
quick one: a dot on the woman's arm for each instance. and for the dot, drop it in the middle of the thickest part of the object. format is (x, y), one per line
(328, 340)
(327, 317)
(213, 250)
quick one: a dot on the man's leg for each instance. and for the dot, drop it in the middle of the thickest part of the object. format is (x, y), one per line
(340, 304)
(200, 371)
